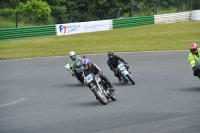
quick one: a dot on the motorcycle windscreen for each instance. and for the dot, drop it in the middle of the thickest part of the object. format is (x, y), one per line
(67, 67)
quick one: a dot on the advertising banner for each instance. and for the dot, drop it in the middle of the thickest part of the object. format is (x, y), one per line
(81, 27)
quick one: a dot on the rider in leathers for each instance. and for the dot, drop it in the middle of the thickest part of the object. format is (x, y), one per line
(73, 59)
(113, 61)
(72, 62)
(193, 57)
(93, 68)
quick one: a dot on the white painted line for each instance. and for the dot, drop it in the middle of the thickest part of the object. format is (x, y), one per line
(13, 102)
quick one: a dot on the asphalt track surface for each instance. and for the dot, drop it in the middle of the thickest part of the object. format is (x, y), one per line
(38, 96)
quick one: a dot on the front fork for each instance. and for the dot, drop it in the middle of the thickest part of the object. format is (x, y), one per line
(96, 84)
(122, 75)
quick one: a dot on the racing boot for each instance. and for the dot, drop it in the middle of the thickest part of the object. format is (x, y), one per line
(119, 78)
(196, 74)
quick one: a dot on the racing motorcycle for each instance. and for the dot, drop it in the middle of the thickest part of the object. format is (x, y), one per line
(100, 89)
(78, 72)
(197, 65)
(124, 73)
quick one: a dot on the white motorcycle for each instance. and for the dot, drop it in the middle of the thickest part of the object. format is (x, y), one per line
(124, 73)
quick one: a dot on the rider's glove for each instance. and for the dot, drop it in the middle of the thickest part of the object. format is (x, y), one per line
(194, 68)
(100, 74)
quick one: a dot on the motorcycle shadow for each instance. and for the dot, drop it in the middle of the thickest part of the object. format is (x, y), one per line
(121, 84)
(191, 89)
(91, 103)
(72, 85)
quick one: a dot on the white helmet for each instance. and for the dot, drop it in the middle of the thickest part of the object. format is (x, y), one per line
(72, 55)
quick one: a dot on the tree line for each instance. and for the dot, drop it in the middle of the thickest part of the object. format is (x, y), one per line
(62, 11)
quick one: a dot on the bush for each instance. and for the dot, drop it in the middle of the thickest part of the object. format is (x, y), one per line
(35, 11)
(7, 13)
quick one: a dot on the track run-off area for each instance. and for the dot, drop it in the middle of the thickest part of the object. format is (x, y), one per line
(38, 96)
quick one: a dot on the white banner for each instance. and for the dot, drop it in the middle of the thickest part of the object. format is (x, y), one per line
(81, 27)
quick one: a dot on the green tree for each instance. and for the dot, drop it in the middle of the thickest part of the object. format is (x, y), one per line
(84, 10)
(35, 10)
(10, 3)
(59, 10)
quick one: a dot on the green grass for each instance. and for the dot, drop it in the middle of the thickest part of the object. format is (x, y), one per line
(8, 23)
(176, 36)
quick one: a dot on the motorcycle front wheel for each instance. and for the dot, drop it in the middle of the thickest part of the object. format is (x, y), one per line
(100, 96)
(130, 79)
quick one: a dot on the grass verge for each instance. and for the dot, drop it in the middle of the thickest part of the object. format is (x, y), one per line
(175, 36)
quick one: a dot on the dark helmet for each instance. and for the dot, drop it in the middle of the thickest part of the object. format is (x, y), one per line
(110, 53)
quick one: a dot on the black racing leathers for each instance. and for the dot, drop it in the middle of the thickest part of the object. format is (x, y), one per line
(95, 70)
(113, 63)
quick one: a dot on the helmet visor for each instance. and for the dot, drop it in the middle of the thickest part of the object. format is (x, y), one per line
(110, 56)
(84, 65)
(193, 51)
(73, 57)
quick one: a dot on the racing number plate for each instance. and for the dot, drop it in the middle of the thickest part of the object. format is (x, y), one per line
(89, 78)
(121, 67)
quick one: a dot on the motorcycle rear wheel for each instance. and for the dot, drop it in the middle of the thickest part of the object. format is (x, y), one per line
(113, 97)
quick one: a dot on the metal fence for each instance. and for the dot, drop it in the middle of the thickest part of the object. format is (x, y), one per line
(161, 7)
(92, 15)
(12, 19)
